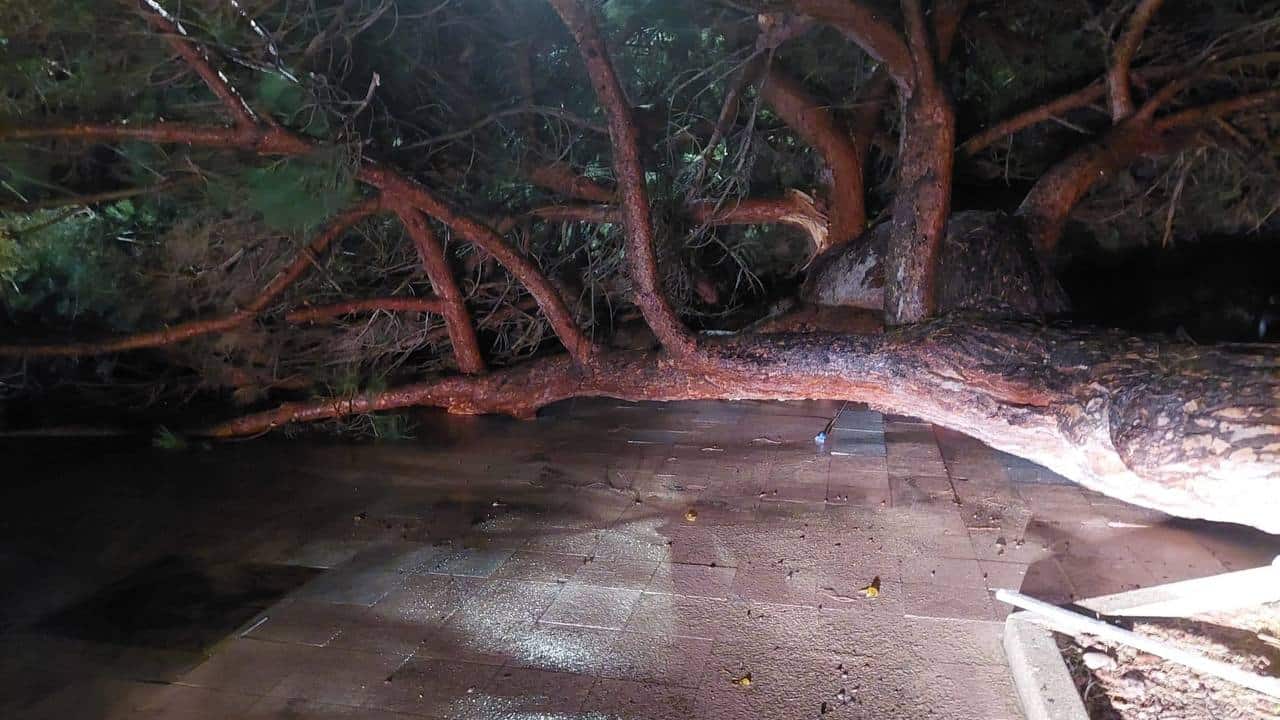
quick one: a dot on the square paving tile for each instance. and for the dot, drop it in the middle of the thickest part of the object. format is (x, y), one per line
(588, 606)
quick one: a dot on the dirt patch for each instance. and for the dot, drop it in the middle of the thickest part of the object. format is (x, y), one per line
(1118, 682)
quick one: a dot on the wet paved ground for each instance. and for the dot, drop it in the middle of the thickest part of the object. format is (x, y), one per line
(610, 560)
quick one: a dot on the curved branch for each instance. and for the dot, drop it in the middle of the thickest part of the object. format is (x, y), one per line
(870, 30)
(196, 328)
(1057, 192)
(1119, 92)
(462, 333)
(795, 208)
(642, 257)
(818, 127)
(278, 141)
(324, 313)
(549, 299)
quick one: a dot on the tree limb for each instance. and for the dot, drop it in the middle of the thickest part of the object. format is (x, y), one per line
(196, 328)
(817, 126)
(642, 257)
(1189, 430)
(562, 178)
(1071, 101)
(324, 313)
(923, 201)
(1119, 92)
(1052, 198)
(198, 61)
(872, 32)
(462, 333)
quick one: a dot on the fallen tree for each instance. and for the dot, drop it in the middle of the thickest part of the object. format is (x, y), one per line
(1190, 430)
(1187, 430)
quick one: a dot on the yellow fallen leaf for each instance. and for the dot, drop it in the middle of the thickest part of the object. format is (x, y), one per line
(744, 681)
(691, 515)
(872, 590)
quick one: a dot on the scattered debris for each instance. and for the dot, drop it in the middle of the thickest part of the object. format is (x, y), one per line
(872, 590)
(1097, 660)
(1136, 684)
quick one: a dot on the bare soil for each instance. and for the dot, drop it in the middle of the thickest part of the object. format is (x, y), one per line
(1128, 684)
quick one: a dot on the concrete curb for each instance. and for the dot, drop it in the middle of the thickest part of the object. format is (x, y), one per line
(1040, 676)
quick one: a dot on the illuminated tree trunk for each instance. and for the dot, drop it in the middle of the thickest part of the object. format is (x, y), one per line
(1191, 431)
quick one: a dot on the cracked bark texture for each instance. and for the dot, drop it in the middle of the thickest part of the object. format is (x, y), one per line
(986, 263)
(1192, 431)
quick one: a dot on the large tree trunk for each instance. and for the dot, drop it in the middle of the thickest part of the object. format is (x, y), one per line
(1192, 431)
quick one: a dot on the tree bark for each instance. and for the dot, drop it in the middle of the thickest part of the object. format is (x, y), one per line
(462, 332)
(818, 127)
(641, 251)
(923, 199)
(1189, 430)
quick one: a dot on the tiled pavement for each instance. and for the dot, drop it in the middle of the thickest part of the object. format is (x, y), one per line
(611, 560)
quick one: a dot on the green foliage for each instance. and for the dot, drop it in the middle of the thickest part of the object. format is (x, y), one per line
(62, 263)
(290, 102)
(292, 195)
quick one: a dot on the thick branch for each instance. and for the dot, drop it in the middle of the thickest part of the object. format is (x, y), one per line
(872, 32)
(549, 299)
(1057, 192)
(1119, 92)
(642, 257)
(1189, 430)
(1054, 108)
(795, 209)
(325, 313)
(1052, 198)
(818, 127)
(562, 178)
(197, 328)
(462, 334)
(923, 201)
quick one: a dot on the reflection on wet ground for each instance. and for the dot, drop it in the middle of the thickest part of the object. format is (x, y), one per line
(609, 560)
